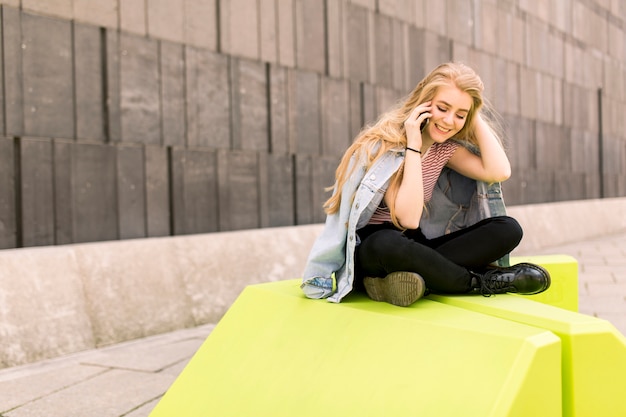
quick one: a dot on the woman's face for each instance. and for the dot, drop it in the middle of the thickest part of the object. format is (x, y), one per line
(449, 110)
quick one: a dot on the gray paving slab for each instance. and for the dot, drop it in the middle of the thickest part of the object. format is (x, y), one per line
(114, 392)
(128, 379)
(602, 276)
(29, 387)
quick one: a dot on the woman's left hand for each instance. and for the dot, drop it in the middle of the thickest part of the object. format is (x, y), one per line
(492, 165)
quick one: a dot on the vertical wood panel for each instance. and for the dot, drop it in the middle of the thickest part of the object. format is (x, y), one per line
(268, 31)
(12, 62)
(36, 191)
(438, 50)
(568, 186)
(336, 123)
(369, 103)
(194, 191)
(90, 123)
(176, 162)
(48, 77)
(157, 191)
(95, 196)
(238, 190)
(249, 105)
(239, 28)
(286, 33)
(553, 141)
(113, 127)
(8, 237)
(357, 44)
(64, 191)
(2, 96)
(280, 190)
(356, 109)
(416, 49)
(255, 142)
(208, 99)
(131, 192)
(304, 107)
(139, 90)
(132, 16)
(538, 186)
(399, 63)
(303, 187)
(166, 19)
(279, 110)
(201, 23)
(310, 35)
(323, 176)
(336, 32)
(172, 69)
(383, 49)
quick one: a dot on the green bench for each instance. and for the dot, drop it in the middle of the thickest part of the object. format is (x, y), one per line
(563, 270)
(277, 353)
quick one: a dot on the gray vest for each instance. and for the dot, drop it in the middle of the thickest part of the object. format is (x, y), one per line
(461, 202)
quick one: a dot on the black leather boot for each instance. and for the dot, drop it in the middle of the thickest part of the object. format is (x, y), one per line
(523, 278)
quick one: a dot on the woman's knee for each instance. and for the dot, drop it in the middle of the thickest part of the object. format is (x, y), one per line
(509, 229)
(380, 241)
(377, 249)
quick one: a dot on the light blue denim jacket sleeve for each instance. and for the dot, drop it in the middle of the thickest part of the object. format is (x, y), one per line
(329, 271)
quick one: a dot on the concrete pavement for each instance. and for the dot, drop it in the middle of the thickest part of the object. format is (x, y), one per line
(128, 379)
(602, 276)
(121, 380)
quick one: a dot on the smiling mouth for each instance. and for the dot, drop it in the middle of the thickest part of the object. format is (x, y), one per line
(442, 129)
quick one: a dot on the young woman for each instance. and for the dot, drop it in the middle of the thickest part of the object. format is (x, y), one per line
(372, 236)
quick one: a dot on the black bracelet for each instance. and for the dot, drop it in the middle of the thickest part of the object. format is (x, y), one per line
(414, 150)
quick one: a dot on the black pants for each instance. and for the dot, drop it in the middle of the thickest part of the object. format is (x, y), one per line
(443, 262)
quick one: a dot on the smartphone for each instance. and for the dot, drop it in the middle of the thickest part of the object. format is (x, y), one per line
(424, 124)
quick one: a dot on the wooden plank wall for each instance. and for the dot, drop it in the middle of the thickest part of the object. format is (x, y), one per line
(119, 123)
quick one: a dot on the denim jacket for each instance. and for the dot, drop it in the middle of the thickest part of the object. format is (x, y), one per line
(457, 202)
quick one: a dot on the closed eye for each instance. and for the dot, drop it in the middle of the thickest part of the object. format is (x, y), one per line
(460, 116)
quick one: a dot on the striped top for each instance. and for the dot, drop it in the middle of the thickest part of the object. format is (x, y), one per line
(433, 161)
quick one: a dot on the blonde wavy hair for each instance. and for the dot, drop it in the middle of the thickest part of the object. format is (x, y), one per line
(388, 131)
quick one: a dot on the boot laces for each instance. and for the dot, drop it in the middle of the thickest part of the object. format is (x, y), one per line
(495, 282)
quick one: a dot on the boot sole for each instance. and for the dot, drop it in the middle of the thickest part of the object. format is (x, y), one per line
(398, 288)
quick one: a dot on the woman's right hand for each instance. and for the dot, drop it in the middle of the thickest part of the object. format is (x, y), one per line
(408, 200)
(413, 123)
